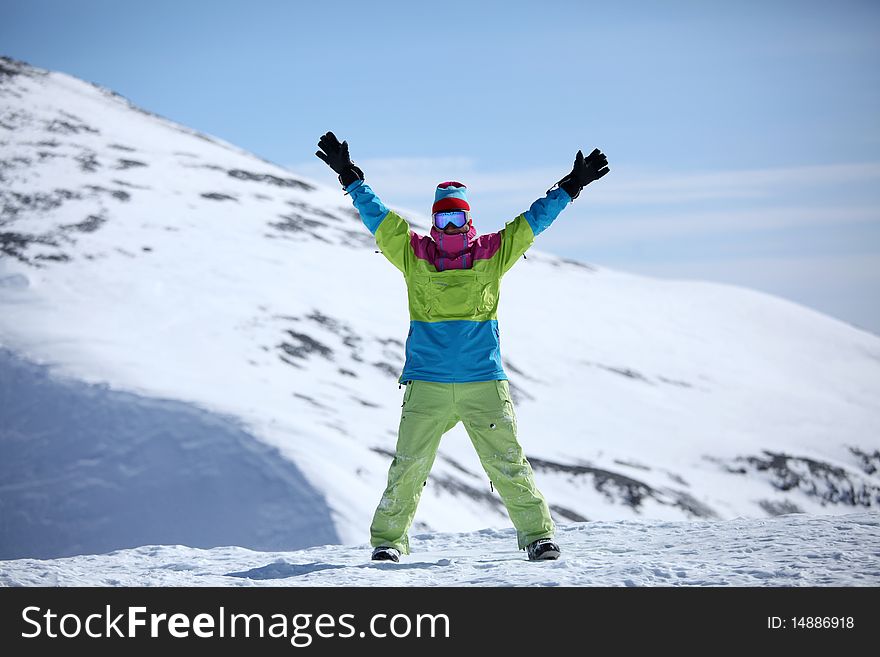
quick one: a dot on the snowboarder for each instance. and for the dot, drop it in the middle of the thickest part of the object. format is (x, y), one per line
(453, 366)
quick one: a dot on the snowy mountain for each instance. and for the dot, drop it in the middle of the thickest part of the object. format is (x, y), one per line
(200, 347)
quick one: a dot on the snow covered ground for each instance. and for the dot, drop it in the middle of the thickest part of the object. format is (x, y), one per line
(788, 550)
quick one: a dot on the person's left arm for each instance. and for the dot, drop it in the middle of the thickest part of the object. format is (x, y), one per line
(518, 235)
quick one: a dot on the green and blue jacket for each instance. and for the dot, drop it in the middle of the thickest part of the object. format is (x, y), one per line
(453, 284)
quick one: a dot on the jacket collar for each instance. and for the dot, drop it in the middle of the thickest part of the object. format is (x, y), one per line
(453, 246)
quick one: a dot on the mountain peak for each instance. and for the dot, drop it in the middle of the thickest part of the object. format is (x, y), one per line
(142, 257)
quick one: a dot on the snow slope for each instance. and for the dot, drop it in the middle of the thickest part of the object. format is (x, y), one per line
(152, 272)
(789, 550)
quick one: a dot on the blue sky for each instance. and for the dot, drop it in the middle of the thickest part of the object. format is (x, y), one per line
(743, 138)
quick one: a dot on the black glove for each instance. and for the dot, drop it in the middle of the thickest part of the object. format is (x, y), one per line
(337, 158)
(584, 172)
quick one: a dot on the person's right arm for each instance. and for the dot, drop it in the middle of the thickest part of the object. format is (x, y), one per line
(391, 231)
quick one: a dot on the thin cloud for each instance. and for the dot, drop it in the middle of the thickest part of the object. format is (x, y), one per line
(653, 188)
(645, 204)
(411, 176)
(625, 185)
(645, 226)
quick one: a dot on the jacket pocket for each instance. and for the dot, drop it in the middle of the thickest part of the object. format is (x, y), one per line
(486, 294)
(421, 299)
(446, 295)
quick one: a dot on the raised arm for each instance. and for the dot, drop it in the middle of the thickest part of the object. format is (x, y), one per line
(518, 235)
(391, 231)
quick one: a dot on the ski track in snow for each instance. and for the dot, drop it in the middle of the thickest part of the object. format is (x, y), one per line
(790, 550)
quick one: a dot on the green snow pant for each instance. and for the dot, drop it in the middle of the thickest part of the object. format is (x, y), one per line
(431, 409)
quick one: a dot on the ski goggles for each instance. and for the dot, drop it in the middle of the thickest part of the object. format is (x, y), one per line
(457, 218)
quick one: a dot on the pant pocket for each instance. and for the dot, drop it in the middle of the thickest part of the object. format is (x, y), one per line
(407, 393)
(505, 399)
(502, 387)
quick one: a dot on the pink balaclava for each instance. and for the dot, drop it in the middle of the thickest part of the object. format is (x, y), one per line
(453, 251)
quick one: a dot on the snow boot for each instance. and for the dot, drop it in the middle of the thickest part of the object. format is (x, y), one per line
(542, 549)
(385, 553)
